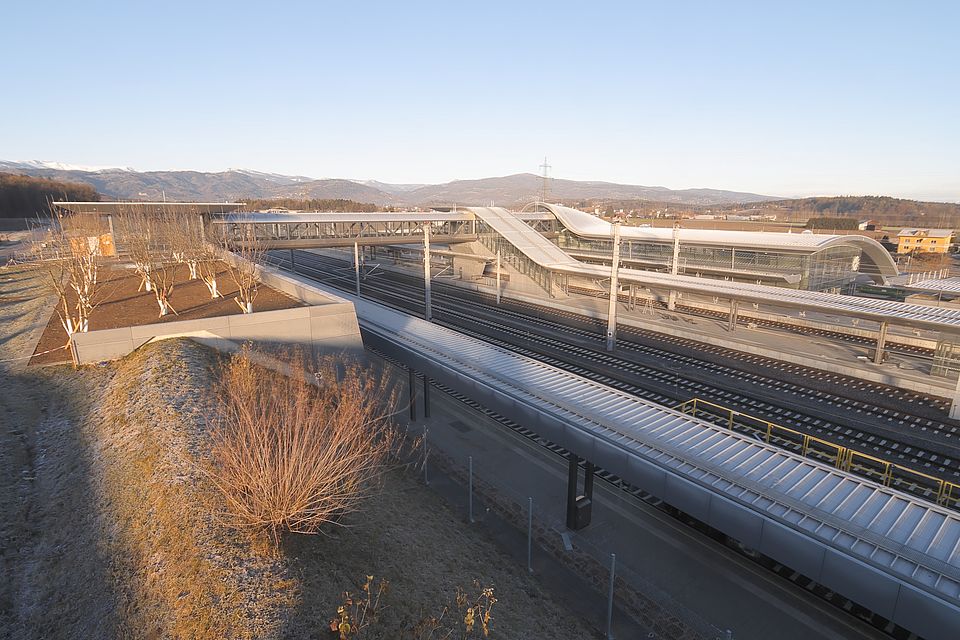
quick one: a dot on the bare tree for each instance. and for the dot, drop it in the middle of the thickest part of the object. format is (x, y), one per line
(209, 267)
(71, 258)
(292, 456)
(245, 272)
(155, 245)
(137, 229)
(167, 232)
(188, 244)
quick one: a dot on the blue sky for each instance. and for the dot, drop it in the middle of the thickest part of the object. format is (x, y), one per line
(801, 98)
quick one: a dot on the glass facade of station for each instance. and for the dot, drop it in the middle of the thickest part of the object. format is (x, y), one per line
(833, 269)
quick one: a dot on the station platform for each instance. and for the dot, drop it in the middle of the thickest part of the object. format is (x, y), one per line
(843, 357)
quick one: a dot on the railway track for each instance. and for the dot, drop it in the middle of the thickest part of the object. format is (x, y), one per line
(667, 378)
(891, 345)
(411, 299)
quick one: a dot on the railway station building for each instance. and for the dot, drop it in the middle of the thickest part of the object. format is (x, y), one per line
(807, 261)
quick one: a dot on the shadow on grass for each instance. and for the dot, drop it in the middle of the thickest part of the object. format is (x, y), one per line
(57, 577)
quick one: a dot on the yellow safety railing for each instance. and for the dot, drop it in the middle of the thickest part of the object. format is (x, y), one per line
(843, 458)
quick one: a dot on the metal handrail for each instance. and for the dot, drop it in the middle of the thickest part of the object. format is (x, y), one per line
(843, 458)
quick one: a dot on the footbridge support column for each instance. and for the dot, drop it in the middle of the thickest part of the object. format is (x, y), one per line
(674, 267)
(734, 310)
(579, 506)
(356, 266)
(427, 307)
(498, 276)
(614, 290)
(955, 405)
(881, 343)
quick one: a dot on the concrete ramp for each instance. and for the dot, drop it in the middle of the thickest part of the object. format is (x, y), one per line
(522, 236)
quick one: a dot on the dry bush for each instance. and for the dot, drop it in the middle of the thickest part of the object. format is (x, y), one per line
(294, 452)
(361, 616)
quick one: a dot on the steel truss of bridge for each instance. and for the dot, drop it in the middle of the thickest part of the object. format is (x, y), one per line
(294, 231)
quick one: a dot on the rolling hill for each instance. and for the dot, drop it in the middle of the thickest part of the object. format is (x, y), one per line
(238, 184)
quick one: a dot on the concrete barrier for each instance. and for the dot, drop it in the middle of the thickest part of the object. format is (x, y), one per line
(327, 325)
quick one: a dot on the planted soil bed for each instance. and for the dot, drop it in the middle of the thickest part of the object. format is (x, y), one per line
(125, 304)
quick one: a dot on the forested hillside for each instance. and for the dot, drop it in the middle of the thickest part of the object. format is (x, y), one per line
(336, 204)
(26, 197)
(887, 211)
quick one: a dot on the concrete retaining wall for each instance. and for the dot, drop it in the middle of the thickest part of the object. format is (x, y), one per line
(326, 328)
(328, 325)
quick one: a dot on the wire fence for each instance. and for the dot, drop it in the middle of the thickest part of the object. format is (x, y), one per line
(649, 605)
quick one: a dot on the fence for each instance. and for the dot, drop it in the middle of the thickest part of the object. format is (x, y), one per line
(887, 473)
(648, 605)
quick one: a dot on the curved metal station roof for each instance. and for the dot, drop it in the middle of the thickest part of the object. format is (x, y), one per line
(550, 256)
(545, 253)
(889, 551)
(586, 225)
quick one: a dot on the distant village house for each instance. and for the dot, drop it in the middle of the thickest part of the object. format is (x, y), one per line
(924, 240)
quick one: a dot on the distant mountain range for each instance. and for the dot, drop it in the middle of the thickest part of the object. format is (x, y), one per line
(239, 184)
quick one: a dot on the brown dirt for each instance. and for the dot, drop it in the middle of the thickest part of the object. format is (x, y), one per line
(125, 305)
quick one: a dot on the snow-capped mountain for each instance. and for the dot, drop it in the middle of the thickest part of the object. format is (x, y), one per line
(240, 184)
(277, 178)
(58, 166)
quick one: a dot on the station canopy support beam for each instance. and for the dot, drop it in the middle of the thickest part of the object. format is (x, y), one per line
(955, 405)
(427, 383)
(734, 309)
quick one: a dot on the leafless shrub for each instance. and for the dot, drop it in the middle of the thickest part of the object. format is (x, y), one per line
(289, 456)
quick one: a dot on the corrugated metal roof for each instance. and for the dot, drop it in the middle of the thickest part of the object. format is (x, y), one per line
(583, 223)
(907, 537)
(927, 233)
(947, 285)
